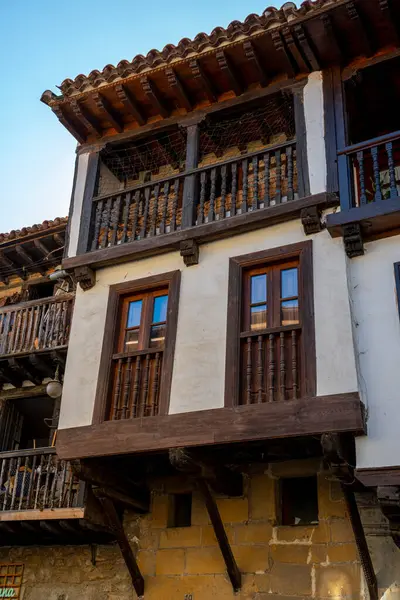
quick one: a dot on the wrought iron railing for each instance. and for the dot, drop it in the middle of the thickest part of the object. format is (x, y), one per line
(36, 325)
(37, 480)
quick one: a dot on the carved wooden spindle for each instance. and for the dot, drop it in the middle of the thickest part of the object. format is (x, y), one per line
(8, 471)
(175, 204)
(233, 188)
(35, 326)
(14, 332)
(360, 160)
(144, 402)
(278, 164)
(127, 387)
(135, 395)
(260, 370)
(38, 482)
(266, 179)
(70, 485)
(135, 216)
(222, 209)
(64, 329)
(22, 489)
(211, 209)
(245, 184)
(254, 204)
(294, 363)
(31, 483)
(48, 316)
(62, 485)
(97, 225)
(105, 224)
(53, 484)
(115, 219)
(154, 398)
(271, 367)
(147, 194)
(163, 223)
(47, 479)
(14, 491)
(289, 169)
(203, 183)
(117, 390)
(282, 366)
(2, 473)
(377, 179)
(248, 371)
(124, 235)
(153, 227)
(392, 172)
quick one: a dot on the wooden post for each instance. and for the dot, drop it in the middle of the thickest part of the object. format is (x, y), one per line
(344, 171)
(301, 143)
(87, 203)
(190, 186)
(220, 534)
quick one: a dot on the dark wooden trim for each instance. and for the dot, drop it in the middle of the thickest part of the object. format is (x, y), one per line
(379, 476)
(305, 416)
(202, 234)
(87, 205)
(302, 251)
(70, 210)
(377, 141)
(397, 280)
(344, 174)
(374, 219)
(172, 280)
(301, 137)
(190, 182)
(332, 182)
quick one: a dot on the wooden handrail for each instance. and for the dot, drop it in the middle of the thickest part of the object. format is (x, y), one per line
(139, 186)
(257, 332)
(40, 302)
(370, 143)
(27, 452)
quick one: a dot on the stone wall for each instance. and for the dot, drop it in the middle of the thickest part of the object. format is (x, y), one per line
(277, 563)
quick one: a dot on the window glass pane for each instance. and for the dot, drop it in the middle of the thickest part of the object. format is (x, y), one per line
(131, 340)
(289, 287)
(258, 289)
(157, 335)
(134, 312)
(290, 312)
(258, 317)
(160, 309)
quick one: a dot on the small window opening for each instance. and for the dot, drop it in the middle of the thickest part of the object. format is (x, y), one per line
(27, 423)
(180, 510)
(41, 290)
(299, 501)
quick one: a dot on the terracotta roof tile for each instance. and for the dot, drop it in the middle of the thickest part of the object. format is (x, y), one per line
(16, 234)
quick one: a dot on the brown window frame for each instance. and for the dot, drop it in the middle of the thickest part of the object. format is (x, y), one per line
(238, 267)
(167, 282)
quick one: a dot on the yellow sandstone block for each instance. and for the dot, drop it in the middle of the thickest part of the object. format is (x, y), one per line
(341, 531)
(201, 587)
(180, 537)
(262, 498)
(146, 560)
(287, 553)
(251, 559)
(317, 534)
(159, 511)
(343, 553)
(233, 510)
(254, 533)
(338, 581)
(204, 560)
(291, 580)
(170, 562)
(208, 536)
(199, 510)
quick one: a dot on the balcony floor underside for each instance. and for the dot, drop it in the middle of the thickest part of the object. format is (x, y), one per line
(31, 366)
(375, 219)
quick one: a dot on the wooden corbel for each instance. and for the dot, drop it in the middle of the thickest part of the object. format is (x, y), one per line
(85, 276)
(190, 252)
(389, 501)
(352, 239)
(311, 220)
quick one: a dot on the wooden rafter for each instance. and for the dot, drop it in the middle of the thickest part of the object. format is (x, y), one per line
(226, 66)
(111, 114)
(154, 96)
(23, 372)
(59, 239)
(332, 36)
(87, 119)
(362, 35)
(41, 247)
(307, 48)
(203, 80)
(391, 18)
(179, 90)
(68, 124)
(302, 65)
(12, 266)
(130, 103)
(29, 262)
(252, 55)
(41, 365)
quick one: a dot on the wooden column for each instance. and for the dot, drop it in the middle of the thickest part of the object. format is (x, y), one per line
(301, 137)
(344, 171)
(191, 181)
(87, 204)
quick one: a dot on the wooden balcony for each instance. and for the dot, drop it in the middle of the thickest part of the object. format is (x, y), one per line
(34, 338)
(369, 179)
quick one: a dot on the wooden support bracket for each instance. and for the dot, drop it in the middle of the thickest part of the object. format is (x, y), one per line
(311, 220)
(130, 103)
(190, 252)
(389, 501)
(353, 241)
(86, 277)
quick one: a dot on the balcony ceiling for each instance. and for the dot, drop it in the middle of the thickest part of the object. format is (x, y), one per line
(286, 43)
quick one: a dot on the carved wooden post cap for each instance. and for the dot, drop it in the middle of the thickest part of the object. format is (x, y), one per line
(190, 252)
(85, 276)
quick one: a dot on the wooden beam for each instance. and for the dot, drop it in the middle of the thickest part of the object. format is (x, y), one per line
(203, 80)
(391, 19)
(28, 260)
(111, 114)
(116, 527)
(41, 365)
(89, 121)
(153, 95)
(332, 36)
(253, 57)
(38, 515)
(229, 71)
(130, 104)
(24, 372)
(179, 90)
(42, 248)
(26, 392)
(220, 533)
(359, 26)
(301, 64)
(6, 374)
(281, 47)
(59, 239)
(307, 47)
(68, 124)
(12, 266)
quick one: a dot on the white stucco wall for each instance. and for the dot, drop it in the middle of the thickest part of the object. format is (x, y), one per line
(377, 345)
(315, 132)
(77, 201)
(199, 367)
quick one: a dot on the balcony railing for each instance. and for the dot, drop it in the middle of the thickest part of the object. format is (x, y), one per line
(251, 182)
(36, 325)
(37, 480)
(373, 170)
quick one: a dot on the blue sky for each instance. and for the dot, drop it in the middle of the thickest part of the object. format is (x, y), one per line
(41, 43)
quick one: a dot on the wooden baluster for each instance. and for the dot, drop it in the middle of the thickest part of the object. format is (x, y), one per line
(31, 483)
(203, 181)
(282, 366)
(3, 468)
(278, 191)
(115, 219)
(233, 188)
(154, 398)
(24, 323)
(211, 209)
(245, 184)
(127, 387)
(22, 489)
(254, 204)
(46, 484)
(222, 209)
(289, 169)
(135, 216)
(260, 370)
(377, 179)
(271, 367)
(97, 224)
(46, 323)
(163, 224)
(248, 372)
(14, 492)
(42, 327)
(153, 227)
(105, 225)
(7, 481)
(117, 390)
(360, 160)
(14, 333)
(392, 172)
(294, 363)
(35, 327)
(59, 321)
(147, 194)
(125, 218)
(175, 204)
(63, 477)
(266, 179)
(53, 483)
(5, 334)
(28, 341)
(136, 382)
(70, 484)
(52, 317)
(39, 477)
(143, 406)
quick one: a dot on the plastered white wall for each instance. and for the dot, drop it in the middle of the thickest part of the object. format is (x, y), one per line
(77, 201)
(377, 346)
(315, 132)
(199, 366)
